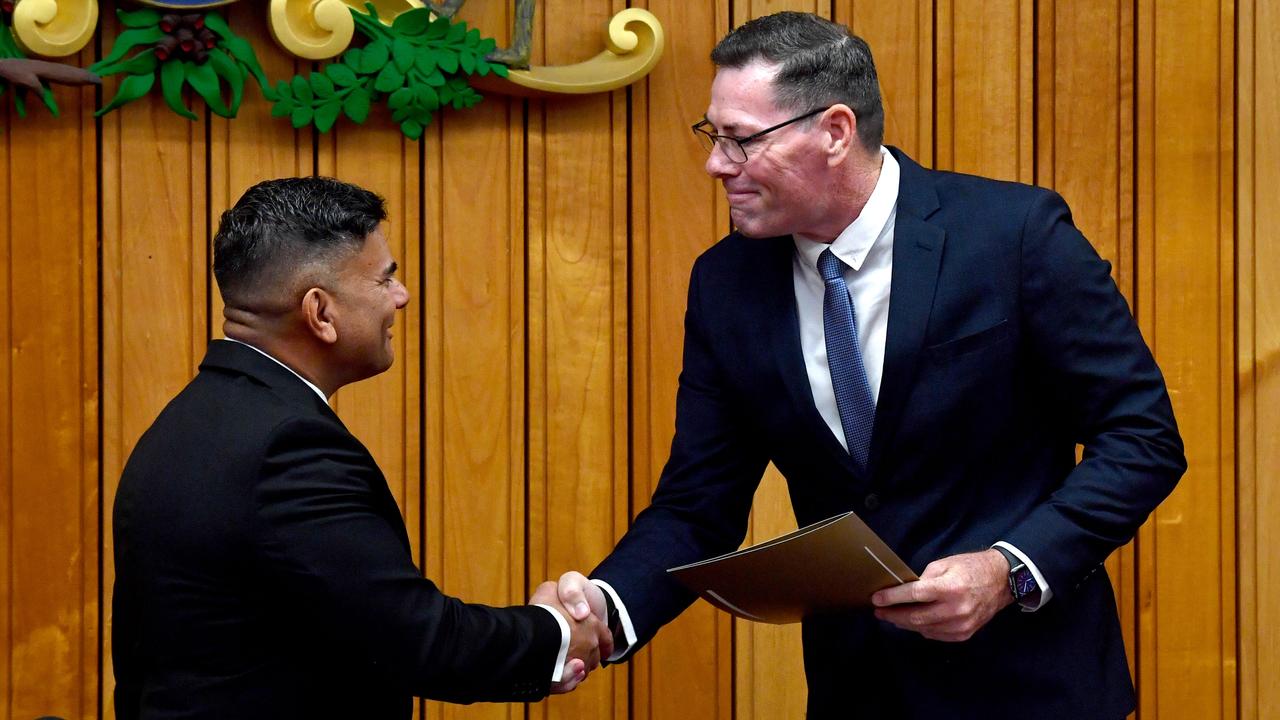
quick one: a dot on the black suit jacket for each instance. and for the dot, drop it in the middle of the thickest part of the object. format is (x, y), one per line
(1008, 343)
(263, 570)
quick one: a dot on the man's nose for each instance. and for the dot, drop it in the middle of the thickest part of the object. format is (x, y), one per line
(718, 164)
(402, 295)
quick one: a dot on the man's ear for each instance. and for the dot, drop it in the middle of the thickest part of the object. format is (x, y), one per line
(841, 132)
(317, 314)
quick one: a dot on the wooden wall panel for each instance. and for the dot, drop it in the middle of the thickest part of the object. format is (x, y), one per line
(1185, 659)
(577, 271)
(474, 386)
(154, 284)
(1258, 382)
(677, 213)
(901, 35)
(49, 391)
(985, 60)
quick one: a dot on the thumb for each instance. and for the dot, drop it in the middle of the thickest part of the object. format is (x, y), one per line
(572, 591)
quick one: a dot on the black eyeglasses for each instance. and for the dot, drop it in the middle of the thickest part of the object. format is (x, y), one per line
(731, 146)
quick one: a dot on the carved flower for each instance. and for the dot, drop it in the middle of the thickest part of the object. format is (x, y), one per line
(185, 38)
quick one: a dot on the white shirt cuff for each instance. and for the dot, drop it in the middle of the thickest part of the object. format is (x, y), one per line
(564, 641)
(628, 630)
(1045, 592)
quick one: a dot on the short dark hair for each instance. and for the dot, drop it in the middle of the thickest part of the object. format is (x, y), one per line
(280, 227)
(819, 63)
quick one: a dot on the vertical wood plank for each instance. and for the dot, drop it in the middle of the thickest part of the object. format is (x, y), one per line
(1184, 146)
(474, 389)
(1258, 303)
(577, 323)
(6, 428)
(901, 40)
(985, 98)
(154, 284)
(677, 212)
(48, 382)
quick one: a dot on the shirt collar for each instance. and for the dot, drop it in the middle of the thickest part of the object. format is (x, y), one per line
(310, 384)
(855, 241)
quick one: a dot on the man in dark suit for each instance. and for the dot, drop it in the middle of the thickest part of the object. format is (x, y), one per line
(924, 348)
(262, 566)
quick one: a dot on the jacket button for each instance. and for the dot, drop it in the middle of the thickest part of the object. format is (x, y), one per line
(871, 502)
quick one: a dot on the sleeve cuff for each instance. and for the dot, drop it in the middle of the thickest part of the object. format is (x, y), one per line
(628, 630)
(1045, 592)
(564, 642)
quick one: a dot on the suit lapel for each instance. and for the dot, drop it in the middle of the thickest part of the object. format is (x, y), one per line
(917, 257)
(780, 309)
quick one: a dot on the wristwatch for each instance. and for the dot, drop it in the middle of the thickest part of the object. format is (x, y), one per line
(1022, 583)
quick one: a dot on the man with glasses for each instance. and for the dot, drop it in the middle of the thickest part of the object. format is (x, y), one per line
(926, 349)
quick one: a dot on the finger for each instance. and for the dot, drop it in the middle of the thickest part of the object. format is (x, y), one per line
(912, 592)
(916, 617)
(545, 593)
(573, 674)
(573, 595)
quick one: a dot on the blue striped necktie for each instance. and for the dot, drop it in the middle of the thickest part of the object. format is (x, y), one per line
(848, 374)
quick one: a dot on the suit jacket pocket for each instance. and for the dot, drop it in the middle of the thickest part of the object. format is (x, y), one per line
(970, 343)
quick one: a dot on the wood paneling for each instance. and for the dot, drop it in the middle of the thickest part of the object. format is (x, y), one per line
(49, 393)
(985, 59)
(472, 297)
(901, 36)
(547, 247)
(677, 212)
(1186, 569)
(1258, 343)
(155, 285)
(577, 303)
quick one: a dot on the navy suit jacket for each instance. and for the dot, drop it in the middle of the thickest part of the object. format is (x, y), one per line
(263, 570)
(1008, 343)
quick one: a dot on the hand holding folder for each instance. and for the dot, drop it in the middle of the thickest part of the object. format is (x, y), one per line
(835, 564)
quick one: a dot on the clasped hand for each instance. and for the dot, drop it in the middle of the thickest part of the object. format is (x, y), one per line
(953, 599)
(589, 638)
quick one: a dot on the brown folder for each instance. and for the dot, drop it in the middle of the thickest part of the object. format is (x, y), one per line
(835, 564)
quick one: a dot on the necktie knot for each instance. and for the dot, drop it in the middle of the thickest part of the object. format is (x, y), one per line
(830, 267)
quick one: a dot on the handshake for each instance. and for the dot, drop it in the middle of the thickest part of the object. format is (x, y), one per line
(582, 605)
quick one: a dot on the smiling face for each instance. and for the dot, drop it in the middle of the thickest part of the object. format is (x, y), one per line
(366, 295)
(781, 188)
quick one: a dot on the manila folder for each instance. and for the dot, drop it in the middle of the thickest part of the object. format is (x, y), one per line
(835, 564)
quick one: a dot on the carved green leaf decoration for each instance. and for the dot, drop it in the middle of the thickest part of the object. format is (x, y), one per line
(417, 66)
(356, 105)
(131, 88)
(197, 51)
(172, 76)
(340, 74)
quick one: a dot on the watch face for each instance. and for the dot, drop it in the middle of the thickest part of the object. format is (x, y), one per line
(1024, 583)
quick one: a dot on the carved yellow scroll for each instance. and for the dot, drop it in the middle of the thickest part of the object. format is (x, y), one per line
(54, 28)
(633, 41)
(320, 29)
